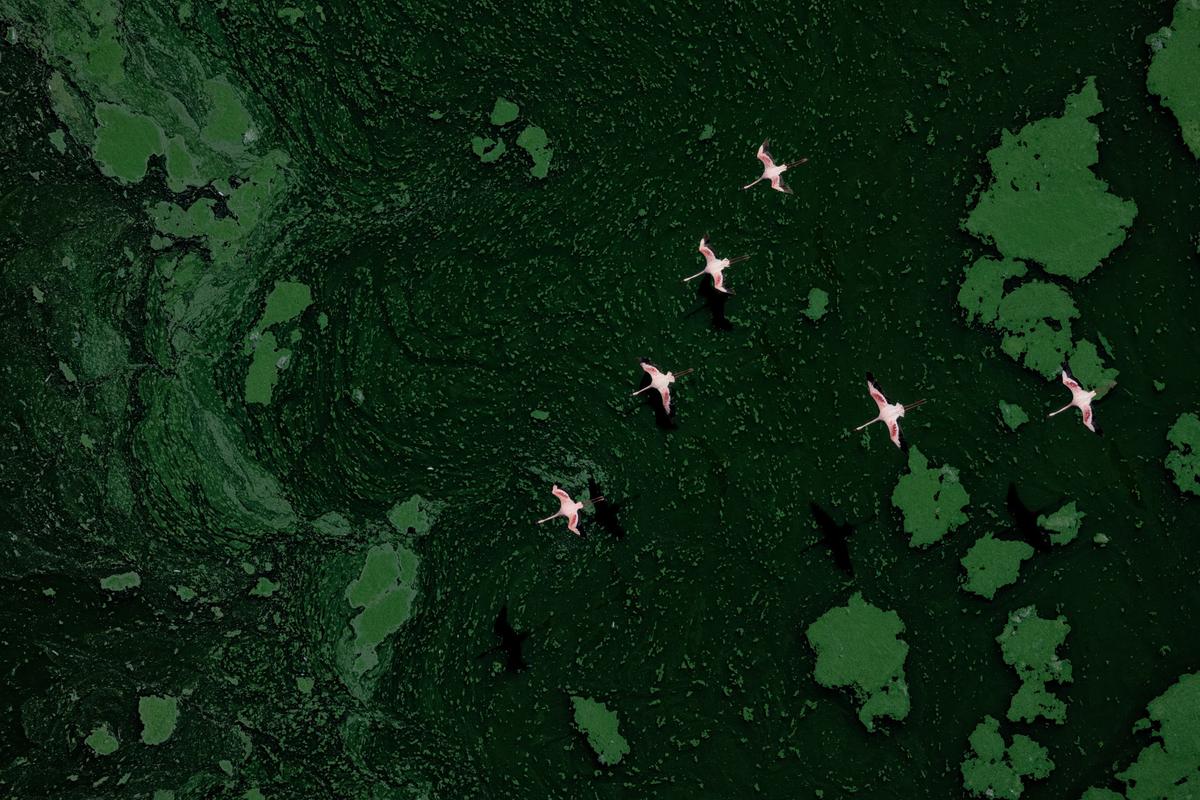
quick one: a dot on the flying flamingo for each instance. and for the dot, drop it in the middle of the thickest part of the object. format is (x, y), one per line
(714, 266)
(1079, 399)
(774, 172)
(568, 508)
(661, 382)
(889, 413)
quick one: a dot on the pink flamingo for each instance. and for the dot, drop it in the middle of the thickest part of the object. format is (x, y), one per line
(889, 413)
(774, 172)
(1079, 399)
(569, 508)
(661, 382)
(714, 266)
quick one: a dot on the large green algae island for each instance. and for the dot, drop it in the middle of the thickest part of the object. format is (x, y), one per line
(306, 306)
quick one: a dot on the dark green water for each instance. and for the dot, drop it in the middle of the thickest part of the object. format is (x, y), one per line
(460, 296)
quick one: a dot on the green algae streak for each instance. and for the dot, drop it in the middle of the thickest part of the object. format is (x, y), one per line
(599, 724)
(1045, 203)
(931, 499)
(858, 647)
(992, 564)
(1183, 459)
(1029, 644)
(995, 771)
(159, 716)
(1173, 69)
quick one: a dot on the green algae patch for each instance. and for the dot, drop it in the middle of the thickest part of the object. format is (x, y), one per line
(1045, 204)
(858, 647)
(124, 142)
(264, 588)
(540, 415)
(599, 725)
(533, 140)
(1089, 370)
(1183, 460)
(1174, 65)
(1170, 766)
(1095, 793)
(228, 125)
(264, 369)
(488, 150)
(102, 741)
(159, 716)
(931, 499)
(992, 564)
(504, 112)
(1034, 321)
(707, 132)
(287, 300)
(994, 770)
(1063, 524)
(121, 582)
(414, 516)
(58, 139)
(384, 592)
(818, 304)
(1029, 644)
(1013, 415)
(983, 287)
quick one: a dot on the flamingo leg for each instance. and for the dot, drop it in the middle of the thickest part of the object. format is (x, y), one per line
(865, 424)
(639, 391)
(748, 185)
(547, 519)
(693, 277)
(1064, 408)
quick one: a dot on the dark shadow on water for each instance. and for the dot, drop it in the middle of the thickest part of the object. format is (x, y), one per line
(1025, 522)
(835, 537)
(715, 302)
(510, 642)
(605, 513)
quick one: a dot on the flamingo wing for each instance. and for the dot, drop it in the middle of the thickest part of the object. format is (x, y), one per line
(719, 282)
(778, 185)
(650, 369)
(573, 524)
(1086, 411)
(894, 433)
(560, 494)
(876, 395)
(1069, 381)
(765, 156)
(666, 400)
(706, 251)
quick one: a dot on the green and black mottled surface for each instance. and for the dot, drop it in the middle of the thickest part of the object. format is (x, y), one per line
(305, 308)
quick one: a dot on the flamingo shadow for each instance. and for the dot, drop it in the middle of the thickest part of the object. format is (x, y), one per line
(834, 537)
(511, 642)
(605, 513)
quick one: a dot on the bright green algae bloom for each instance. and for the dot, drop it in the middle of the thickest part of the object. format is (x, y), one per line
(1063, 523)
(818, 304)
(1013, 415)
(1174, 67)
(488, 150)
(102, 741)
(384, 593)
(857, 646)
(504, 112)
(159, 715)
(993, 563)
(994, 770)
(931, 500)
(599, 724)
(533, 140)
(1029, 645)
(1045, 203)
(121, 581)
(1184, 458)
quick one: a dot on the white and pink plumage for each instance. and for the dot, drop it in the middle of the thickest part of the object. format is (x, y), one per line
(773, 172)
(714, 266)
(1080, 399)
(889, 413)
(568, 508)
(661, 382)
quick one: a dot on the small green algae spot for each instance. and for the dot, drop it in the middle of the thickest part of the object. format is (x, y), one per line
(1174, 65)
(226, 766)
(818, 303)
(124, 142)
(1183, 459)
(185, 593)
(1100, 539)
(163, 794)
(436, 115)
(533, 140)
(1169, 767)
(488, 150)
(264, 369)
(102, 741)
(415, 515)
(264, 588)
(504, 112)
(1029, 644)
(1063, 524)
(858, 647)
(992, 564)
(931, 500)
(540, 415)
(322, 320)
(287, 300)
(707, 132)
(1159, 386)
(121, 581)
(67, 372)
(58, 138)
(1045, 204)
(1013, 415)
(290, 14)
(599, 725)
(995, 771)
(159, 716)
(38, 295)
(384, 591)
(305, 684)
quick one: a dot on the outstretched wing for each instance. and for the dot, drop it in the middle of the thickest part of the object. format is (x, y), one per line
(559, 493)
(573, 524)
(1069, 380)
(666, 398)
(706, 251)
(894, 432)
(1087, 418)
(764, 155)
(719, 282)
(650, 369)
(876, 395)
(778, 185)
